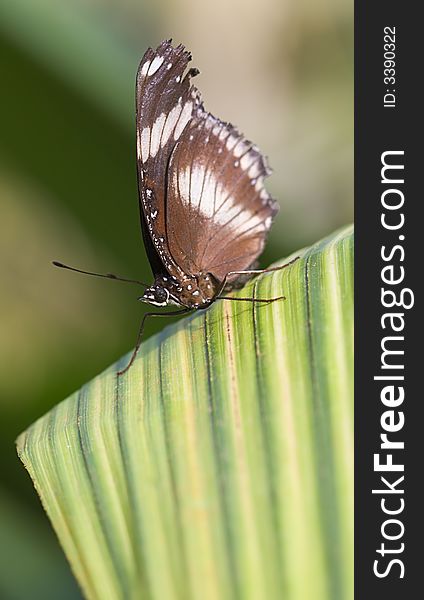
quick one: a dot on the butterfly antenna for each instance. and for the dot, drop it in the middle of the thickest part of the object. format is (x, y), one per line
(105, 275)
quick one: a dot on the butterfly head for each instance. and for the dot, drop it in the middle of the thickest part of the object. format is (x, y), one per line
(164, 291)
(156, 295)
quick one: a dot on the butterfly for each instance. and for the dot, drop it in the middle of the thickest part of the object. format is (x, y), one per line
(204, 210)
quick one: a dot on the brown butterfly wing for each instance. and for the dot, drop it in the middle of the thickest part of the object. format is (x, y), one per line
(164, 106)
(203, 204)
(218, 211)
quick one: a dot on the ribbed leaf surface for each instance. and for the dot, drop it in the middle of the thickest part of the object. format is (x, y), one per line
(221, 465)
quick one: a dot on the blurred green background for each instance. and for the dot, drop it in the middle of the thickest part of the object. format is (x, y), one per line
(281, 70)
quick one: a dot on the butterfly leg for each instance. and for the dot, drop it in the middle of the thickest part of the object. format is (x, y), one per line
(254, 272)
(263, 300)
(141, 330)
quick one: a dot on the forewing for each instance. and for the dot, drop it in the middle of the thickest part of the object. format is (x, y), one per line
(218, 210)
(165, 102)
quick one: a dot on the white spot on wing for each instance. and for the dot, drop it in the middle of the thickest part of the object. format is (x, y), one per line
(183, 120)
(155, 64)
(145, 143)
(189, 183)
(145, 67)
(210, 122)
(231, 142)
(240, 149)
(223, 135)
(254, 170)
(156, 134)
(171, 121)
(246, 160)
(244, 221)
(138, 146)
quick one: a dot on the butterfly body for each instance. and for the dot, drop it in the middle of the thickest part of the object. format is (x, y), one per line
(191, 292)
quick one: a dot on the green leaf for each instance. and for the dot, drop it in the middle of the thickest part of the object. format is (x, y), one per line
(221, 465)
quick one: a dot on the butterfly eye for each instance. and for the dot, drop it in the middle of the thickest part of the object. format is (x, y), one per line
(161, 295)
